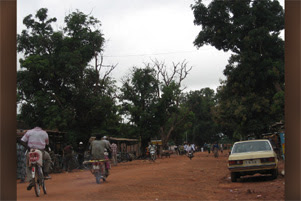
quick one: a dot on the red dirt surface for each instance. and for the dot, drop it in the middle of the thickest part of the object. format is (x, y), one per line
(175, 178)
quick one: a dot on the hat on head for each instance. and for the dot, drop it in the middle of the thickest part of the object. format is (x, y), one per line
(80, 142)
(104, 137)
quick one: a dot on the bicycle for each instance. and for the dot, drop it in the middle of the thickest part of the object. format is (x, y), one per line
(36, 164)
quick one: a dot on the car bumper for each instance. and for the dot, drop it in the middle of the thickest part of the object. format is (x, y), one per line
(253, 168)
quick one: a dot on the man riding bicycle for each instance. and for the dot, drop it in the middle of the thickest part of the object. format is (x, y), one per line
(37, 138)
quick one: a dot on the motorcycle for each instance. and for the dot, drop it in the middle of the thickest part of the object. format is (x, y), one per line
(153, 155)
(36, 164)
(98, 169)
(190, 155)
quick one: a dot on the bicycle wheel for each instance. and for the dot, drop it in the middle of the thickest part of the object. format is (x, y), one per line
(36, 182)
(119, 157)
(73, 163)
(42, 180)
(98, 177)
(86, 166)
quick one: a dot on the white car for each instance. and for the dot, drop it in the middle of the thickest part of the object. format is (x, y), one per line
(251, 157)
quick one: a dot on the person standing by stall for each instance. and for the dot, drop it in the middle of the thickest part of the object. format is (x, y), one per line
(68, 157)
(158, 152)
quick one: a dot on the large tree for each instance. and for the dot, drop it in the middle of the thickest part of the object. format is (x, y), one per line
(171, 113)
(57, 89)
(252, 96)
(139, 97)
(203, 128)
(151, 96)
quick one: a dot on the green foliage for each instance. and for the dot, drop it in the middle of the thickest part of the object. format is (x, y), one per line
(168, 103)
(139, 96)
(251, 98)
(154, 107)
(203, 128)
(56, 88)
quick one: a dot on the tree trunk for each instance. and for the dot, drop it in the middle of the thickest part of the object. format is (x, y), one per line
(165, 136)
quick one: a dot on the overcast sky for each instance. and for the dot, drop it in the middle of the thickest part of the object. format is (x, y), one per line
(137, 31)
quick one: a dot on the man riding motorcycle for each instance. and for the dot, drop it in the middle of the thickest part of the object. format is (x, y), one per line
(37, 138)
(189, 149)
(152, 149)
(98, 148)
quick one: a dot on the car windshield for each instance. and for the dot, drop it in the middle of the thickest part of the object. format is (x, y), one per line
(251, 146)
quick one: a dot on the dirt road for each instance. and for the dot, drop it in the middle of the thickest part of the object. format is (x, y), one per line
(175, 178)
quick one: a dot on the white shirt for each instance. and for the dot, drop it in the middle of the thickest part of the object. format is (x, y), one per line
(152, 148)
(188, 148)
(36, 138)
(193, 147)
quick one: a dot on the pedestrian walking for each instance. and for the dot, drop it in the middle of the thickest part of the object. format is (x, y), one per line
(215, 149)
(221, 148)
(114, 153)
(208, 148)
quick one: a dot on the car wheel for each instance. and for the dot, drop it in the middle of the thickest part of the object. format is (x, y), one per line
(234, 176)
(274, 173)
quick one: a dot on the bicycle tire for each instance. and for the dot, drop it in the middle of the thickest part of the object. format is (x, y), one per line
(118, 158)
(36, 182)
(153, 157)
(73, 163)
(86, 166)
(42, 180)
(97, 177)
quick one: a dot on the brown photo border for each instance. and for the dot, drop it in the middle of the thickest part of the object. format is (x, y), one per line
(292, 99)
(8, 28)
(8, 61)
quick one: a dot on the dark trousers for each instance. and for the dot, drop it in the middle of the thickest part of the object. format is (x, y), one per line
(80, 160)
(68, 158)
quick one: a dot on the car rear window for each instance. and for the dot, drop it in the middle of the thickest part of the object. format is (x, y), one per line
(251, 146)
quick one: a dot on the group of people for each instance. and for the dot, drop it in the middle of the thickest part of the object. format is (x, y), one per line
(215, 147)
(186, 148)
(37, 138)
